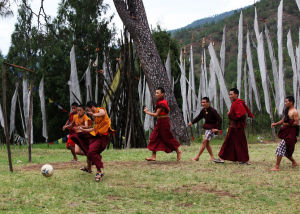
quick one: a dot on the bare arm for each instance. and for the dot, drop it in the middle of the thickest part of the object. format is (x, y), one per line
(280, 122)
(100, 113)
(86, 125)
(152, 114)
(67, 125)
(296, 118)
(86, 130)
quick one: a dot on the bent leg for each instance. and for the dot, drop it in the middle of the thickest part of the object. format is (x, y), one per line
(278, 160)
(294, 163)
(203, 146)
(72, 149)
(97, 145)
(209, 149)
(78, 151)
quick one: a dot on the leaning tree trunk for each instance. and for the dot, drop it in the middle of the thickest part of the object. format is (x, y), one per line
(151, 63)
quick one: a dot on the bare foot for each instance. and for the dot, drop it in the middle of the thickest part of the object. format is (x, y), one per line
(150, 159)
(179, 153)
(195, 159)
(294, 165)
(274, 169)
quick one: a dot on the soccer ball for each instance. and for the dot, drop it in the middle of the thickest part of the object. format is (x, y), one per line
(47, 170)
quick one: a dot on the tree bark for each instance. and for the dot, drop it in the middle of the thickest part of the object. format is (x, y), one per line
(151, 63)
(5, 117)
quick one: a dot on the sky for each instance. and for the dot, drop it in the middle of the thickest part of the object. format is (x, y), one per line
(169, 14)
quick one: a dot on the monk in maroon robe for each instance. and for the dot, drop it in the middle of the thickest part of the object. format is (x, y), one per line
(235, 147)
(162, 139)
(288, 133)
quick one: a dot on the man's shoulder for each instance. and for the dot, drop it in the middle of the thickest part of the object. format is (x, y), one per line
(213, 109)
(294, 111)
(86, 117)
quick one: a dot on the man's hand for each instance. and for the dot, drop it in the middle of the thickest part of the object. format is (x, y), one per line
(89, 113)
(215, 130)
(190, 124)
(100, 71)
(146, 110)
(64, 128)
(273, 125)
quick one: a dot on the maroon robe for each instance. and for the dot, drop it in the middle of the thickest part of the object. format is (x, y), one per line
(162, 139)
(92, 146)
(235, 146)
(289, 135)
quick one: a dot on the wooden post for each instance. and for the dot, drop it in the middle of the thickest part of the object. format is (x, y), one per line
(5, 117)
(29, 127)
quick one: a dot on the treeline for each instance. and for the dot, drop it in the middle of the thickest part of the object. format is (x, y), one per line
(46, 50)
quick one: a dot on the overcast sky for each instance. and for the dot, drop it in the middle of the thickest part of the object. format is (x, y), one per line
(170, 14)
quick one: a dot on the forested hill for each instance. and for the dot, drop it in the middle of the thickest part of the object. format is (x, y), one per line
(204, 21)
(267, 14)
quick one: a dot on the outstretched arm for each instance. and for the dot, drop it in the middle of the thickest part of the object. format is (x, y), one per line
(199, 117)
(67, 125)
(280, 122)
(100, 113)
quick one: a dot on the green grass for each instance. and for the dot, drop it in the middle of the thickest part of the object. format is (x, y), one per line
(132, 185)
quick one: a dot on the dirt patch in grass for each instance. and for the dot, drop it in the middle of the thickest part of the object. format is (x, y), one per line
(127, 164)
(198, 188)
(113, 197)
(185, 205)
(148, 203)
(203, 170)
(73, 204)
(56, 166)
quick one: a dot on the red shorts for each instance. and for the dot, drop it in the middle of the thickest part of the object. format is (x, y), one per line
(70, 142)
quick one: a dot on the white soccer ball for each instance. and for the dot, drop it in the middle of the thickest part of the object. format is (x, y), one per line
(47, 170)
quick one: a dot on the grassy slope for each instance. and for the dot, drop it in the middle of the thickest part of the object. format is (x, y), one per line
(132, 185)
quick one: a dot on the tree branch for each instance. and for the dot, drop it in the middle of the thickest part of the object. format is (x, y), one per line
(124, 14)
(41, 13)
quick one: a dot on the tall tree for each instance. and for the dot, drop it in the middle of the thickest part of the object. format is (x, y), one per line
(151, 63)
(47, 49)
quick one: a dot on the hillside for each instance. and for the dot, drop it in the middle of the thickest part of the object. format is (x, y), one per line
(267, 14)
(208, 20)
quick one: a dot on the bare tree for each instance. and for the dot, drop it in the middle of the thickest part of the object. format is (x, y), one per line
(135, 20)
(5, 8)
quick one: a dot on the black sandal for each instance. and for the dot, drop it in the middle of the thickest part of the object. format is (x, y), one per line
(84, 169)
(99, 177)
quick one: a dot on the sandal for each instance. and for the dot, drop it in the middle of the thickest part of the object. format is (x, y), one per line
(99, 176)
(84, 169)
(244, 163)
(218, 160)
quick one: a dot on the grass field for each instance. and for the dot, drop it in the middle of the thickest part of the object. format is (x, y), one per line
(132, 185)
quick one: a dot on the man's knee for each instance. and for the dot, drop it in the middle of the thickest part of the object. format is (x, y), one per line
(205, 142)
(92, 153)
